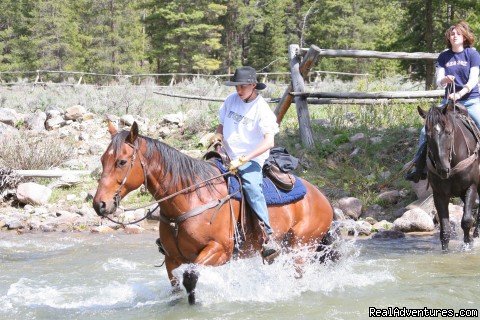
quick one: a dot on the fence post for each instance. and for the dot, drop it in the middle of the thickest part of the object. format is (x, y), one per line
(299, 70)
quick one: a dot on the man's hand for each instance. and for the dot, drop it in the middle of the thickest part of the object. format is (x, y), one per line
(235, 164)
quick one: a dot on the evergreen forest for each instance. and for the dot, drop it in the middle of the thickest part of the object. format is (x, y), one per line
(215, 36)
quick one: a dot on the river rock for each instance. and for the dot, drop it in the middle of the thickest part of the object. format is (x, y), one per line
(176, 118)
(36, 121)
(351, 207)
(414, 220)
(388, 234)
(362, 228)
(390, 197)
(55, 123)
(33, 193)
(74, 112)
(383, 225)
(5, 129)
(9, 116)
(426, 204)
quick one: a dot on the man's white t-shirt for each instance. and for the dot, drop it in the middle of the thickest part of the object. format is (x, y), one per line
(245, 124)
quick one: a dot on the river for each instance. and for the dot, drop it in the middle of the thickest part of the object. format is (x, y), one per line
(95, 276)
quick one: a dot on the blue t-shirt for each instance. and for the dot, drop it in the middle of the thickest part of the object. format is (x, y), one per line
(458, 64)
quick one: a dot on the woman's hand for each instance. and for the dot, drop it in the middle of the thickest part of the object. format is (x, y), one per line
(447, 80)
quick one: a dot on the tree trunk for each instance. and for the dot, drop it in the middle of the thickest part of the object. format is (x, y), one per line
(429, 64)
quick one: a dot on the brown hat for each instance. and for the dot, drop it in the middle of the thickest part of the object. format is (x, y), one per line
(245, 75)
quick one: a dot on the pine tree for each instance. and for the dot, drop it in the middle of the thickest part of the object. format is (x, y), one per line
(112, 36)
(185, 35)
(54, 35)
(14, 36)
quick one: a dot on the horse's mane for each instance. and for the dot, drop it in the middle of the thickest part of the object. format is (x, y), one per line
(183, 170)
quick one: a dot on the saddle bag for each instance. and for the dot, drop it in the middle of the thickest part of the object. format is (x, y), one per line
(282, 180)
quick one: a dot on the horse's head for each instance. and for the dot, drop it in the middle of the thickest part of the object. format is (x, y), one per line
(439, 127)
(122, 170)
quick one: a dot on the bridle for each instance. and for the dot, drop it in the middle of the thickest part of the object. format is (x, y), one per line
(472, 155)
(173, 222)
(116, 196)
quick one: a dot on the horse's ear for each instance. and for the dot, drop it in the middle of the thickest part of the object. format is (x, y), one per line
(421, 112)
(132, 136)
(111, 128)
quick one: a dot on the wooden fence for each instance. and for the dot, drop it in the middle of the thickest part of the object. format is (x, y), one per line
(303, 59)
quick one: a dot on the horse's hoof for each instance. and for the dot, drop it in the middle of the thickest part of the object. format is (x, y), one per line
(466, 247)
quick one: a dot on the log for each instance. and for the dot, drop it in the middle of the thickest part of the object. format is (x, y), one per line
(375, 54)
(334, 101)
(371, 95)
(298, 84)
(50, 173)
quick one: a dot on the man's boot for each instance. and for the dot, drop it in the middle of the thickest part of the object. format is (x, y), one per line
(420, 170)
(270, 249)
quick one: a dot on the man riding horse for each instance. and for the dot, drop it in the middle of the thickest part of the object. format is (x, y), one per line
(247, 128)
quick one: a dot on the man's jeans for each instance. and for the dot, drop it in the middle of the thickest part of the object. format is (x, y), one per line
(252, 180)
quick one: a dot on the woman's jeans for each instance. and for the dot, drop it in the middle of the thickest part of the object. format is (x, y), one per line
(252, 181)
(473, 108)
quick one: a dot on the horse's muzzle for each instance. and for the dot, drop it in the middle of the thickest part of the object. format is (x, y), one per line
(103, 208)
(444, 173)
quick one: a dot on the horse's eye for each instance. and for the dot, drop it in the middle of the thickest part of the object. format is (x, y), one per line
(121, 163)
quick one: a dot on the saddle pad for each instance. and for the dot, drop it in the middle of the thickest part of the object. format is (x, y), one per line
(273, 195)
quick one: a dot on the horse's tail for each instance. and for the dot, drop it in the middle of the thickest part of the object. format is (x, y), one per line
(327, 246)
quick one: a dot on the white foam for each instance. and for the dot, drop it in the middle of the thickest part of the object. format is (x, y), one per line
(250, 280)
(31, 293)
(119, 264)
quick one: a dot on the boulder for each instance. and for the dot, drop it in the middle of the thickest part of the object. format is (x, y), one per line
(33, 193)
(74, 112)
(36, 121)
(9, 116)
(351, 207)
(414, 220)
(390, 197)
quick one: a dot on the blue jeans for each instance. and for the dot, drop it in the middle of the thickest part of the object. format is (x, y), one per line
(252, 181)
(473, 108)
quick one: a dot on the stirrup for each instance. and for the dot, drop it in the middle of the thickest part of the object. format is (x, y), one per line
(160, 246)
(270, 251)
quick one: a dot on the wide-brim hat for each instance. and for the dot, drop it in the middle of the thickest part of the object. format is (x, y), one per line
(245, 75)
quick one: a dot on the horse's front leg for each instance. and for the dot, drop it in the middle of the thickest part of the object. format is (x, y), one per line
(213, 254)
(170, 265)
(441, 204)
(467, 219)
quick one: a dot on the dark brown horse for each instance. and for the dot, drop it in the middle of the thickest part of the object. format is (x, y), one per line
(197, 226)
(453, 165)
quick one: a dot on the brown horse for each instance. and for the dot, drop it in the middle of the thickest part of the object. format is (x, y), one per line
(197, 225)
(453, 165)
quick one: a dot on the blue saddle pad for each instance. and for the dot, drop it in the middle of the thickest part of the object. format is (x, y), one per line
(273, 195)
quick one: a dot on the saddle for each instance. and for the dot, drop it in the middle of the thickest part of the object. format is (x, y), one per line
(282, 180)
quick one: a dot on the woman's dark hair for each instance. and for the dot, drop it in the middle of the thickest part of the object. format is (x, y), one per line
(464, 29)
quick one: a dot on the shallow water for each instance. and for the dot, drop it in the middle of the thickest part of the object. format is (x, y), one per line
(91, 276)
